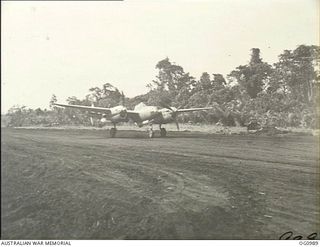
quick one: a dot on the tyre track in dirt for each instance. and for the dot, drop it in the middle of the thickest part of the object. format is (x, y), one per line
(122, 158)
(278, 176)
(150, 167)
(125, 160)
(91, 187)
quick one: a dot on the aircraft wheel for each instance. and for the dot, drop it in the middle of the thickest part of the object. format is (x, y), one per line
(113, 132)
(163, 132)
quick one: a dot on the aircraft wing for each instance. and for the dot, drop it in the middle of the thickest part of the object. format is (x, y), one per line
(193, 109)
(91, 109)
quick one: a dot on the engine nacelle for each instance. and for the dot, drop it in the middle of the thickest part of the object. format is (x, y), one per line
(120, 117)
(103, 120)
(167, 116)
(118, 110)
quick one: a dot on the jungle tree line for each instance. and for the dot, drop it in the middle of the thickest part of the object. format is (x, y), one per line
(283, 94)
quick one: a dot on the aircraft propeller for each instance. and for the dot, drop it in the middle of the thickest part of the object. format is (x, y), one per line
(174, 113)
(91, 121)
(122, 99)
(177, 124)
(91, 118)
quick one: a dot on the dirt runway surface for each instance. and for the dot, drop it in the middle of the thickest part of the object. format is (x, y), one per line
(81, 184)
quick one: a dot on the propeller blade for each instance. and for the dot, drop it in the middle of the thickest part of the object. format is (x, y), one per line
(166, 106)
(122, 99)
(177, 124)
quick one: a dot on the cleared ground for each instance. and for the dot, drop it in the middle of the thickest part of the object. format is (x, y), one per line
(81, 184)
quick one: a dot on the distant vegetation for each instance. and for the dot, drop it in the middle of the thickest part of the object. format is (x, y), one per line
(284, 94)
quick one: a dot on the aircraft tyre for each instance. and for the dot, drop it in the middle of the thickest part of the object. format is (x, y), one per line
(113, 132)
(163, 132)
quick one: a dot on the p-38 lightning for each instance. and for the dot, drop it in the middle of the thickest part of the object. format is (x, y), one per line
(142, 115)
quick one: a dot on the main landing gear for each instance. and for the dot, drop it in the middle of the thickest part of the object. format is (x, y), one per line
(113, 131)
(150, 132)
(163, 131)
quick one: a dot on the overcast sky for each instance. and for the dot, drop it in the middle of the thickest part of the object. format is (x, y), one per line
(64, 48)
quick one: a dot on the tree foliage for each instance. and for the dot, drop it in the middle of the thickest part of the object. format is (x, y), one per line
(283, 94)
(254, 76)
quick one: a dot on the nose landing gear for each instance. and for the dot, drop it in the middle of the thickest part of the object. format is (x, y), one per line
(150, 132)
(163, 132)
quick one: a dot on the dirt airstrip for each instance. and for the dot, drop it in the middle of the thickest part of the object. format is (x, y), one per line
(81, 184)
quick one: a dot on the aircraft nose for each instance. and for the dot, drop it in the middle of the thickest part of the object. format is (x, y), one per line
(154, 113)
